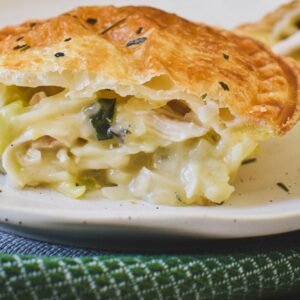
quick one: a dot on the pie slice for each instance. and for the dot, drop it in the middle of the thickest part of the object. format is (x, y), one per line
(138, 104)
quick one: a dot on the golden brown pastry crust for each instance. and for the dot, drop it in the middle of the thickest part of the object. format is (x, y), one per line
(262, 86)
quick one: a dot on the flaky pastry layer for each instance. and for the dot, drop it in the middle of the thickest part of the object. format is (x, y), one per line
(125, 48)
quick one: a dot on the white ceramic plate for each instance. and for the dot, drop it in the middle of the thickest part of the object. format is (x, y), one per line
(258, 207)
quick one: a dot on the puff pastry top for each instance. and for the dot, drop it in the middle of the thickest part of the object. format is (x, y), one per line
(130, 45)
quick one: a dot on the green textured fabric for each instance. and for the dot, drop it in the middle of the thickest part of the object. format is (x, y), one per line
(149, 277)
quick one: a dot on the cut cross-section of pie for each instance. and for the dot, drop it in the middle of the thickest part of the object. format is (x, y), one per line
(137, 103)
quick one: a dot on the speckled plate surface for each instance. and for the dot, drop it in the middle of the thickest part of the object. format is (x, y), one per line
(258, 207)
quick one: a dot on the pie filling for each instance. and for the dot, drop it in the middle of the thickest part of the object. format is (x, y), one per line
(175, 151)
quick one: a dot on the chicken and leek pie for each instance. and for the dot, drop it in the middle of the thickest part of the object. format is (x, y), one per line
(137, 103)
(279, 29)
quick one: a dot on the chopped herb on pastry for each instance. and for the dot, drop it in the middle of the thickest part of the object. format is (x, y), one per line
(137, 103)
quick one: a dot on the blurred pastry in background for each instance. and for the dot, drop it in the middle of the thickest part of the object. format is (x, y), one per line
(280, 29)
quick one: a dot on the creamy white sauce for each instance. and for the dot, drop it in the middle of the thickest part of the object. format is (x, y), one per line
(166, 157)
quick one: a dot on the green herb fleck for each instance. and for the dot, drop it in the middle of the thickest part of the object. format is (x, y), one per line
(101, 121)
(212, 137)
(178, 197)
(221, 203)
(91, 21)
(113, 26)
(139, 30)
(59, 54)
(249, 161)
(20, 47)
(203, 97)
(67, 39)
(136, 41)
(226, 56)
(283, 186)
(20, 38)
(224, 86)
